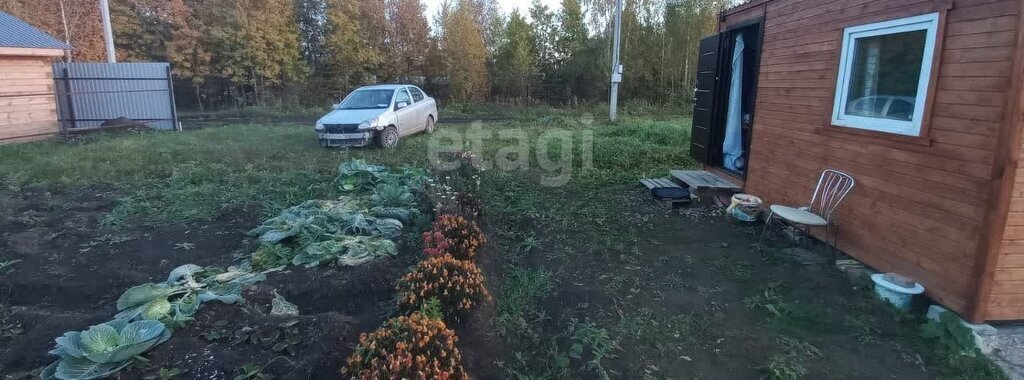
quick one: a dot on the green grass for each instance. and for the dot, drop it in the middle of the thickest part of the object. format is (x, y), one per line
(523, 288)
(529, 112)
(257, 113)
(170, 177)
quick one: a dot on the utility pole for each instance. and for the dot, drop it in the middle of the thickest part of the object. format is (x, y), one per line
(616, 64)
(108, 34)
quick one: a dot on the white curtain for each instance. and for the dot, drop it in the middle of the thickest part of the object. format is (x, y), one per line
(733, 147)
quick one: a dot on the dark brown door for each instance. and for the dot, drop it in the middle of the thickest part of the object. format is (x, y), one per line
(704, 99)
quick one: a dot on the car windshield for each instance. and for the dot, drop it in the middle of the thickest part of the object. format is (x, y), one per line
(367, 99)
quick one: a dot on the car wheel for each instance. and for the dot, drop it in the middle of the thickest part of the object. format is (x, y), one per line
(430, 124)
(388, 138)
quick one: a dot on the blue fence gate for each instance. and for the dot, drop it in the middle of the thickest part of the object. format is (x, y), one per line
(89, 94)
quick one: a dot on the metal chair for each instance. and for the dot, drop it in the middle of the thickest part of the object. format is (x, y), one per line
(833, 186)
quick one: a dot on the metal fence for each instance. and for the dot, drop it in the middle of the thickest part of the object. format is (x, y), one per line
(89, 94)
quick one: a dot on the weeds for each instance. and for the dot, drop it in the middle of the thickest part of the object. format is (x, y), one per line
(251, 371)
(9, 328)
(784, 367)
(788, 366)
(592, 345)
(523, 288)
(7, 266)
(767, 299)
(733, 268)
(950, 333)
(164, 374)
(269, 256)
(107, 240)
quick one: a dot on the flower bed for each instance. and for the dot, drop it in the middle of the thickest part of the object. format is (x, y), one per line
(445, 285)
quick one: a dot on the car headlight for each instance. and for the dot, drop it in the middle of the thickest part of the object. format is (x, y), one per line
(369, 124)
(319, 126)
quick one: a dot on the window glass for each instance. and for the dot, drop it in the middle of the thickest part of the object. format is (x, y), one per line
(867, 106)
(884, 74)
(367, 99)
(403, 96)
(900, 109)
(886, 68)
(417, 95)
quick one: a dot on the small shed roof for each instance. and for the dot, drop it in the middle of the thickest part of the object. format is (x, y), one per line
(15, 33)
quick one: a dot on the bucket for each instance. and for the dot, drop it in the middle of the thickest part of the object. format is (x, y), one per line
(896, 295)
(744, 207)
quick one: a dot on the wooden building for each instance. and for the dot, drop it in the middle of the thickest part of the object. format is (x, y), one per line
(28, 110)
(919, 100)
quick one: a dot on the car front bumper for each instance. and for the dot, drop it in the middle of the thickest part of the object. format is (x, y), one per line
(356, 139)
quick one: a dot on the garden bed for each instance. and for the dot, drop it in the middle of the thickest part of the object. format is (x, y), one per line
(71, 271)
(54, 262)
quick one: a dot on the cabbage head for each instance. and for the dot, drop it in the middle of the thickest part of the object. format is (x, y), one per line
(357, 174)
(103, 349)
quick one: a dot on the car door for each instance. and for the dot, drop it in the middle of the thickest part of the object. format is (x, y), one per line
(406, 115)
(421, 110)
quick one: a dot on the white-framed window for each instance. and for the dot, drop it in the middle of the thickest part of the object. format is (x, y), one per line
(884, 73)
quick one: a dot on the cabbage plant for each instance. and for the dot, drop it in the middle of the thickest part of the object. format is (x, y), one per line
(345, 250)
(176, 300)
(357, 174)
(103, 349)
(314, 219)
(352, 230)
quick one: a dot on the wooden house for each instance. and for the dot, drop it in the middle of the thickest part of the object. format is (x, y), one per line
(919, 100)
(28, 110)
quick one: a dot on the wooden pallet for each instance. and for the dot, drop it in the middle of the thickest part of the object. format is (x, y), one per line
(657, 183)
(705, 184)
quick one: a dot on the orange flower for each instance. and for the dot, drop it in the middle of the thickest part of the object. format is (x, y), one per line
(454, 235)
(420, 344)
(458, 285)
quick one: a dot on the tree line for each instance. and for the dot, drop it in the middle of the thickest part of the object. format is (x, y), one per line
(234, 53)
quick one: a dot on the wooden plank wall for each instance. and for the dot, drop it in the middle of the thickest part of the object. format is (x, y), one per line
(1002, 296)
(28, 110)
(1006, 300)
(919, 207)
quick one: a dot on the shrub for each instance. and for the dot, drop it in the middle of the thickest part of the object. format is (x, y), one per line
(413, 347)
(458, 285)
(463, 236)
(434, 244)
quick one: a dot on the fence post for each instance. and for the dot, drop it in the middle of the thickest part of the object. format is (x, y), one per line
(70, 98)
(174, 106)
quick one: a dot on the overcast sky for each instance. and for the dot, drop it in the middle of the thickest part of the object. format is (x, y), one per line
(506, 6)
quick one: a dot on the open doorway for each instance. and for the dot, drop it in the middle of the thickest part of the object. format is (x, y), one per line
(725, 97)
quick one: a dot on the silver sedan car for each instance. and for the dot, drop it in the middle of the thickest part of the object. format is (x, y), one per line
(377, 114)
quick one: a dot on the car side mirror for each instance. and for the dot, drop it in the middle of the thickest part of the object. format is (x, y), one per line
(401, 105)
(336, 105)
